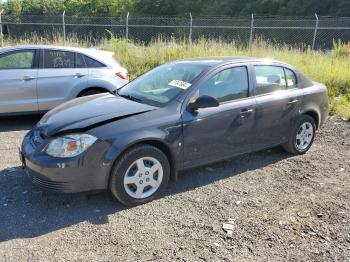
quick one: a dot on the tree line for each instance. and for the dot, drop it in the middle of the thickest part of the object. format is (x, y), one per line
(178, 7)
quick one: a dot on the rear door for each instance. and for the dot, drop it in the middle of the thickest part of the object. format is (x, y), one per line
(18, 76)
(278, 100)
(213, 134)
(60, 74)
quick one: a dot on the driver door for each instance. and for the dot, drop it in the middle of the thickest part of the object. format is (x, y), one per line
(213, 134)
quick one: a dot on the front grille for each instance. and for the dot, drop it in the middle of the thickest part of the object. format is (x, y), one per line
(50, 185)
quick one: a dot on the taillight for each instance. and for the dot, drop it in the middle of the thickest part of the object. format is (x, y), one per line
(122, 75)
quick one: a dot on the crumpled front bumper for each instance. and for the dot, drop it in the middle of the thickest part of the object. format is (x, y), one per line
(86, 172)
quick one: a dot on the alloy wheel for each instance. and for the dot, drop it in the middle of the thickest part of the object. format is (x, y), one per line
(143, 177)
(304, 136)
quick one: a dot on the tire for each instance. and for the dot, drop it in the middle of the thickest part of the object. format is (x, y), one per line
(92, 92)
(142, 168)
(302, 137)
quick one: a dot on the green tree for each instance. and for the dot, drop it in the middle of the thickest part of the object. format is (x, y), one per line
(179, 8)
(155, 7)
(13, 7)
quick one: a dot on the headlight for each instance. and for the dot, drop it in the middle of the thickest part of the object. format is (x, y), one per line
(70, 145)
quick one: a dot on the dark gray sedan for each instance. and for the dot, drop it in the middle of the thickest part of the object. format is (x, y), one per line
(179, 115)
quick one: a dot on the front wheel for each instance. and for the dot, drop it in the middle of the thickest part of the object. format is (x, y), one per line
(139, 175)
(302, 136)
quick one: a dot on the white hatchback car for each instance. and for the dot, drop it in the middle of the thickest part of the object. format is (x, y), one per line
(35, 79)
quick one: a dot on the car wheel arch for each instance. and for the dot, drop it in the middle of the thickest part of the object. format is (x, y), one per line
(314, 114)
(91, 89)
(158, 144)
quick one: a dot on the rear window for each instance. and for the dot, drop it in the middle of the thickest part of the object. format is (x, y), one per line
(92, 63)
(79, 61)
(269, 79)
(274, 78)
(291, 78)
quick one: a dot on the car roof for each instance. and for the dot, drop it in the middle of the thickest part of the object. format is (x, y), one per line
(221, 60)
(105, 57)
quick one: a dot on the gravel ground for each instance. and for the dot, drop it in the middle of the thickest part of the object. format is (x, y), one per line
(281, 207)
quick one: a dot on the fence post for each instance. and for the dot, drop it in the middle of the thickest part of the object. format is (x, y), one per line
(190, 34)
(64, 26)
(315, 33)
(127, 27)
(1, 33)
(251, 31)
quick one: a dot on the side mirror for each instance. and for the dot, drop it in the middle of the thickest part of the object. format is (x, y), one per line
(203, 101)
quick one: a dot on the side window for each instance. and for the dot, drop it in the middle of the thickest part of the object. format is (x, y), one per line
(17, 60)
(291, 78)
(269, 79)
(57, 59)
(92, 63)
(79, 61)
(227, 85)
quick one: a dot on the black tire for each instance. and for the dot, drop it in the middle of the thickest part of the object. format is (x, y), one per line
(291, 145)
(92, 92)
(126, 161)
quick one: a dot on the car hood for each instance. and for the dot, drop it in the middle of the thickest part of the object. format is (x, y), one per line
(88, 112)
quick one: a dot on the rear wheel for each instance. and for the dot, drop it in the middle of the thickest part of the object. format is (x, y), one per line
(302, 136)
(140, 175)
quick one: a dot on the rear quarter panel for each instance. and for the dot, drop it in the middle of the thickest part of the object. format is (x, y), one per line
(315, 99)
(105, 78)
(100, 78)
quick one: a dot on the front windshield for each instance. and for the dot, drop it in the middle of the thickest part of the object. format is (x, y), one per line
(162, 84)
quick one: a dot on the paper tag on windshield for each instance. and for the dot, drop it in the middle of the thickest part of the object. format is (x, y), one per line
(180, 84)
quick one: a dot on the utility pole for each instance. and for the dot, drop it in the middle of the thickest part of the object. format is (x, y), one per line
(315, 33)
(251, 32)
(190, 34)
(127, 26)
(64, 26)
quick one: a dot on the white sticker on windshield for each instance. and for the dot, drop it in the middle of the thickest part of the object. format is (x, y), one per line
(180, 84)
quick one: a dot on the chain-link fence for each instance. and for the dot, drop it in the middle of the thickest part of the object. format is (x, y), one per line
(317, 32)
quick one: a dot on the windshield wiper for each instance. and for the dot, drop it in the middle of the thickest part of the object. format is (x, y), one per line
(130, 97)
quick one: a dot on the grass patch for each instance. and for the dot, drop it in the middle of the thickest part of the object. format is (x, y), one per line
(331, 69)
(340, 106)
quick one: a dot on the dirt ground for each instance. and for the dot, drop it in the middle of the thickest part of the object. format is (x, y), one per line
(281, 207)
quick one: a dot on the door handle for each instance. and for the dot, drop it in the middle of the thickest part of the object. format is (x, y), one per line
(294, 101)
(243, 114)
(78, 75)
(246, 111)
(27, 78)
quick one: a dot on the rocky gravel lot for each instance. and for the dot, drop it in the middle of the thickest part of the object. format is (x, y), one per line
(280, 207)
